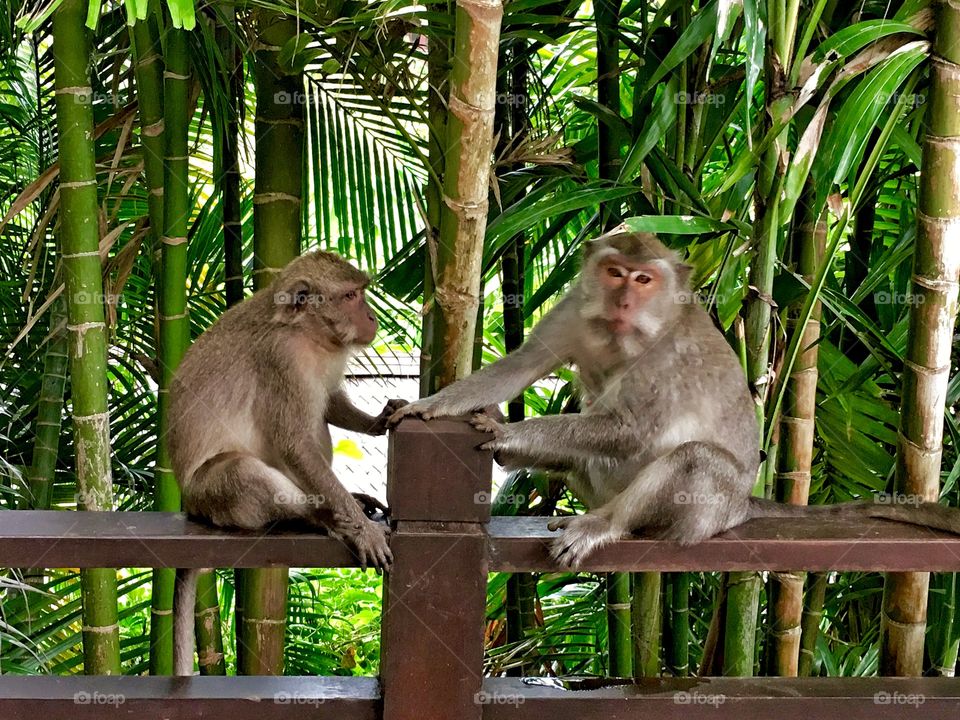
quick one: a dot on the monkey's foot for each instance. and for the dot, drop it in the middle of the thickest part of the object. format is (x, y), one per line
(582, 535)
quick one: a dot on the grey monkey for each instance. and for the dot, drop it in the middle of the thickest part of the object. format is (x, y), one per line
(667, 441)
(250, 406)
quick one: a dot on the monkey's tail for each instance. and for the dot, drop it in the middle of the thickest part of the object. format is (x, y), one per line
(886, 507)
(184, 600)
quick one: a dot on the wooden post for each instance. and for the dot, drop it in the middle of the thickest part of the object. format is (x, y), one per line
(434, 598)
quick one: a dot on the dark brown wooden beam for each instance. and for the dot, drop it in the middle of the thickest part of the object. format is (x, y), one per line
(237, 698)
(729, 699)
(47, 538)
(522, 545)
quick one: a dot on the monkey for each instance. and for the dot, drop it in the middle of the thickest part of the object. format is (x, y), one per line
(667, 442)
(250, 407)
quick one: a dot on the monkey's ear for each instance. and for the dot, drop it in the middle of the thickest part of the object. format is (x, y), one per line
(683, 274)
(589, 248)
(293, 298)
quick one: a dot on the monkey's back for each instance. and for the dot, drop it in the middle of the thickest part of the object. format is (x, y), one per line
(214, 388)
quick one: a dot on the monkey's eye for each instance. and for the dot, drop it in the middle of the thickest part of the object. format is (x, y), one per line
(352, 295)
(643, 278)
(614, 272)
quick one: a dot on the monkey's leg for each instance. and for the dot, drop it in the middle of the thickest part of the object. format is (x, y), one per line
(690, 494)
(238, 490)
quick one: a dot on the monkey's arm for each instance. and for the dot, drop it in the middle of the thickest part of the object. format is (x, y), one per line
(344, 414)
(548, 347)
(560, 439)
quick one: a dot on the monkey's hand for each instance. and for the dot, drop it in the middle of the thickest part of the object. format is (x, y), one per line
(425, 408)
(381, 424)
(582, 535)
(367, 539)
(488, 424)
(370, 505)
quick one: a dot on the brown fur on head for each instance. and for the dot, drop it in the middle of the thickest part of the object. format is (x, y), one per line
(323, 294)
(632, 283)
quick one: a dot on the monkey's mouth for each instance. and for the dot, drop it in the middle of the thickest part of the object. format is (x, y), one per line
(619, 326)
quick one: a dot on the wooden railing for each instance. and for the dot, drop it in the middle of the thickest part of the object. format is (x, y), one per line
(444, 544)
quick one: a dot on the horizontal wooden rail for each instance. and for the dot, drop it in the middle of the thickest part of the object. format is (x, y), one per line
(238, 698)
(49, 538)
(295, 698)
(729, 699)
(522, 545)
(36, 538)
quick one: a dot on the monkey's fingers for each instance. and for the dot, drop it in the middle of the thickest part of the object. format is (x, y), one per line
(411, 410)
(559, 523)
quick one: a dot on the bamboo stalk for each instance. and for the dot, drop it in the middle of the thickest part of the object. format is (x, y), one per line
(933, 313)
(810, 621)
(172, 314)
(79, 242)
(278, 189)
(796, 445)
(646, 624)
(469, 145)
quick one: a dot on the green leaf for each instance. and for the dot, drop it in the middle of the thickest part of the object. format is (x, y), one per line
(676, 224)
(656, 126)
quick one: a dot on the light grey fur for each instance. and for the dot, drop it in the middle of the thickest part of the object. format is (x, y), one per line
(667, 440)
(249, 411)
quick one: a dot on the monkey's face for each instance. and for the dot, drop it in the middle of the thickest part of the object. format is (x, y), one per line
(339, 316)
(631, 290)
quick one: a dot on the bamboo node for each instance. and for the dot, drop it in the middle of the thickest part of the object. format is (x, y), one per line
(85, 253)
(99, 629)
(173, 240)
(157, 191)
(91, 418)
(905, 625)
(170, 75)
(935, 284)
(149, 59)
(924, 370)
(77, 184)
(153, 129)
(178, 316)
(296, 122)
(934, 451)
(269, 197)
(75, 90)
(154, 611)
(459, 107)
(941, 63)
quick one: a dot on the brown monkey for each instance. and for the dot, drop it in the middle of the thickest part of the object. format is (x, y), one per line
(667, 441)
(249, 410)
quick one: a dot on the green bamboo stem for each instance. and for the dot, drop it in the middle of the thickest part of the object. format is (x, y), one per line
(46, 441)
(678, 658)
(619, 629)
(796, 445)
(172, 314)
(230, 162)
(933, 313)
(646, 624)
(148, 72)
(79, 242)
(810, 621)
(278, 189)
